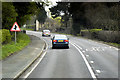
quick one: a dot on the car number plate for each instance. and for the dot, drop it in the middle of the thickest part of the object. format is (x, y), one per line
(60, 40)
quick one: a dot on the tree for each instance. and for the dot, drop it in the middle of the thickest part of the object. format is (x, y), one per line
(41, 15)
(8, 15)
(76, 10)
(89, 15)
(25, 10)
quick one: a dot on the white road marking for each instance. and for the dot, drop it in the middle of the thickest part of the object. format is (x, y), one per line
(86, 62)
(36, 48)
(83, 51)
(91, 62)
(80, 47)
(98, 49)
(116, 49)
(98, 71)
(87, 55)
(86, 49)
(42, 56)
(110, 47)
(93, 48)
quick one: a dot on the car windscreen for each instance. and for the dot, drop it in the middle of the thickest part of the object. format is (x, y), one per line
(60, 37)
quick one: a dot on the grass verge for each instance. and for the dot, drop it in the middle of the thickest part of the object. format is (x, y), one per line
(10, 48)
(113, 44)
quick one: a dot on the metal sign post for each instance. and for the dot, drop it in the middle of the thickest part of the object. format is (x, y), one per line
(15, 37)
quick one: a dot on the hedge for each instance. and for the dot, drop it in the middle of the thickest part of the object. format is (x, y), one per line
(5, 36)
(0, 36)
(107, 36)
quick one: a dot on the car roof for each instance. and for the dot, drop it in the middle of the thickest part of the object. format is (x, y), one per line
(46, 30)
(60, 36)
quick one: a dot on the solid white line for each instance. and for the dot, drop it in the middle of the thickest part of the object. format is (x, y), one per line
(86, 62)
(35, 65)
(42, 56)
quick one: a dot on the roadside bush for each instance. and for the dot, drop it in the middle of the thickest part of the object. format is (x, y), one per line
(10, 48)
(6, 36)
(109, 36)
(85, 34)
(92, 33)
(95, 30)
(0, 36)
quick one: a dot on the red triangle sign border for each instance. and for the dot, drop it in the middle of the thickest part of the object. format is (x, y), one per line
(17, 26)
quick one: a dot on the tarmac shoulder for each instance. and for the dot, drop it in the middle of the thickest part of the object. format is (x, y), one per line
(14, 65)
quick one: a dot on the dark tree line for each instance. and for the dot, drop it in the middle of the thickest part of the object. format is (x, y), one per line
(21, 12)
(85, 15)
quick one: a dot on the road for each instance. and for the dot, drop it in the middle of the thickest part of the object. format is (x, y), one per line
(84, 59)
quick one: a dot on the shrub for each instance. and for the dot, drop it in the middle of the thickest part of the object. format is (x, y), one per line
(0, 36)
(94, 33)
(95, 30)
(8, 49)
(6, 36)
(109, 36)
(91, 33)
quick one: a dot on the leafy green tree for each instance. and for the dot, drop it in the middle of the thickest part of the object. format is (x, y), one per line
(8, 15)
(103, 15)
(89, 15)
(41, 15)
(25, 10)
(74, 9)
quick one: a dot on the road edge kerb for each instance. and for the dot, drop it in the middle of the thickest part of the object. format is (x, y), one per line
(44, 47)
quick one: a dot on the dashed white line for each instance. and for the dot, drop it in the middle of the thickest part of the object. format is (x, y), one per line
(86, 49)
(93, 48)
(98, 71)
(80, 47)
(87, 55)
(91, 62)
(86, 62)
(83, 51)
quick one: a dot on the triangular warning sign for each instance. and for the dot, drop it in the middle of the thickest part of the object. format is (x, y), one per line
(15, 27)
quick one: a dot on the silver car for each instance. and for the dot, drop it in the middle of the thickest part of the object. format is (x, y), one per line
(46, 33)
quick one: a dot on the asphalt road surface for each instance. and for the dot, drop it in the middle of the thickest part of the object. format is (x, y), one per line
(84, 59)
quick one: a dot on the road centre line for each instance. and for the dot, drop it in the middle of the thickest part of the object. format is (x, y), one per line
(91, 62)
(98, 71)
(40, 59)
(86, 62)
(87, 55)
